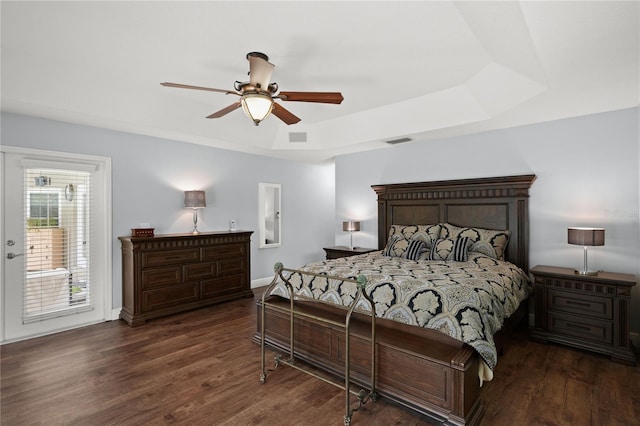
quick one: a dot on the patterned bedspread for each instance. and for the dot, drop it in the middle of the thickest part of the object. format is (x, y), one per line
(465, 300)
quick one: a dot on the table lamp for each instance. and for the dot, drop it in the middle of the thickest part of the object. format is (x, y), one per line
(195, 200)
(585, 237)
(351, 227)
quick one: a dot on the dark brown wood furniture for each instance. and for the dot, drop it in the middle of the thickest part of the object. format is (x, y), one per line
(344, 251)
(165, 274)
(416, 367)
(589, 312)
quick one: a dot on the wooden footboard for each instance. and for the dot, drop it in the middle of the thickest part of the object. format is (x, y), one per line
(418, 368)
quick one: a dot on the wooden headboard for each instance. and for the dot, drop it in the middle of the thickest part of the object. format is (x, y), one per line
(491, 203)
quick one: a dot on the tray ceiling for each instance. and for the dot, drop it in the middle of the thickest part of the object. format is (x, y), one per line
(419, 70)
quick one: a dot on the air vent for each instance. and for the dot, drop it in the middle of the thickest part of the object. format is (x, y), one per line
(397, 141)
(297, 136)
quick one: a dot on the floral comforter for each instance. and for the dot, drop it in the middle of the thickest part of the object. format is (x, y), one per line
(465, 300)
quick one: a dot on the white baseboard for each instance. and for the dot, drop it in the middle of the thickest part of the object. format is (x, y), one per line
(261, 282)
(115, 314)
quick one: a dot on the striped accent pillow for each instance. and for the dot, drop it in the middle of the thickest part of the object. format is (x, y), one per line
(460, 249)
(415, 249)
(455, 249)
(492, 243)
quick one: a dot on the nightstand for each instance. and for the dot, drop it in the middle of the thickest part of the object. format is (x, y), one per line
(589, 312)
(344, 251)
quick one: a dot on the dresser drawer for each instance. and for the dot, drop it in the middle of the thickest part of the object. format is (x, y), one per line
(231, 267)
(168, 297)
(592, 306)
(198, 271)
(223, 252)
(169, 257)
(161, 277)
(581, 327)
(221, 286)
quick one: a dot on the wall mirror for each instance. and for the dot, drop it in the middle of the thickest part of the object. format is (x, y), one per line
(269, 214)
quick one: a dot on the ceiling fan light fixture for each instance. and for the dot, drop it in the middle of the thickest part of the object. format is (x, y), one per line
(257, 106)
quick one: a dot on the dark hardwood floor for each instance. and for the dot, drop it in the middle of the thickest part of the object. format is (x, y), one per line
(201, 368)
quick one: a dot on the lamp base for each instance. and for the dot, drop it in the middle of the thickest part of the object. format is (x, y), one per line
(580, 272)
(195, 222)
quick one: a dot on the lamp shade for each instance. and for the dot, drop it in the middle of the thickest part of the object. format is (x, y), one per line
(350, 226)
(194, 199)
(256, 106)
(586, 236)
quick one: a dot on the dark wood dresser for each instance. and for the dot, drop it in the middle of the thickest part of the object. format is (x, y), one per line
(589, 312)
(344, 251)
(165, 274)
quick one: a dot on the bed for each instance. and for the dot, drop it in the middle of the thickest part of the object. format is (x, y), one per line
(421, 368)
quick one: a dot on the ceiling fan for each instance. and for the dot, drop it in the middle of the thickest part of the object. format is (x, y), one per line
(258, 94)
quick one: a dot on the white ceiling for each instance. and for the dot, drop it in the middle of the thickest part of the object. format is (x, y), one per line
(423, 70)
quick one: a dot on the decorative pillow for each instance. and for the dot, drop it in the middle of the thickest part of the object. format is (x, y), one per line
(390, 248)
(402, 235)
(454, 249)
(492, 243)
(426, 233)
(415, 249)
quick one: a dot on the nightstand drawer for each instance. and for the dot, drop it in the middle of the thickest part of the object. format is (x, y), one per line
(583, 328)
(593, 306)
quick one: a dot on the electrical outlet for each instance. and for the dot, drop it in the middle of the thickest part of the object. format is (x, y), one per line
(232, 225)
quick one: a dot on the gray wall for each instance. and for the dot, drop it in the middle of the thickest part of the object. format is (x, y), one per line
(150, 175)
(587, 175)
(586, 167)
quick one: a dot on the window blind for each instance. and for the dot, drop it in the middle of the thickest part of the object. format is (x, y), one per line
(57, 213)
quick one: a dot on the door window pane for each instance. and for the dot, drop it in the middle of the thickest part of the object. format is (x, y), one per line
(57, 229)
(43, 209)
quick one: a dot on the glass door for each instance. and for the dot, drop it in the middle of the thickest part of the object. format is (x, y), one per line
(52, 235)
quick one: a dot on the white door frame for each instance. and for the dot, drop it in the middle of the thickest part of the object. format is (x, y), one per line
(3, 250)
(104, 228)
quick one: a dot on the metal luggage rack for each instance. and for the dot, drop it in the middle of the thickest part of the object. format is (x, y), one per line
(363, 396)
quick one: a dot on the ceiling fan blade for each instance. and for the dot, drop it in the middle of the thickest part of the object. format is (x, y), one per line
(209, 89)
(320, 97)
(284, 114)
(260, 70)
(225, 111)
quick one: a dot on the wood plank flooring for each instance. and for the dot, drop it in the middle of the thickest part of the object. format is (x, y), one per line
(201, 368)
